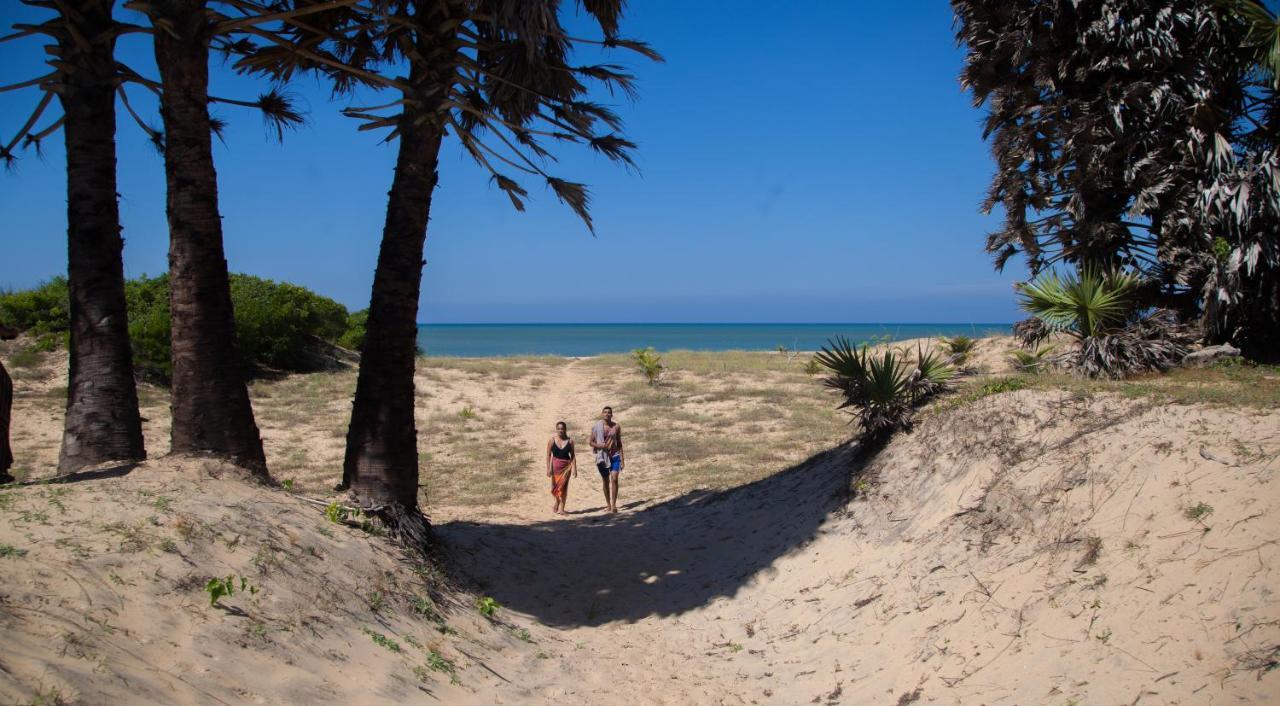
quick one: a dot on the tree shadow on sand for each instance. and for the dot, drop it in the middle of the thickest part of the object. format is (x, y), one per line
(664, 559)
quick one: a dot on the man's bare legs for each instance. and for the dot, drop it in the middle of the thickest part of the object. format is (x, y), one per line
(604, 482)
(612, 492)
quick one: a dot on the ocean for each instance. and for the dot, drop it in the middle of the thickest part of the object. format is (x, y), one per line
(483, 340)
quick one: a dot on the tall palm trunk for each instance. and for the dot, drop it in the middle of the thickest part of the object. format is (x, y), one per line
(381, 465)
(210, 403)
(6, 408)
(102, 420)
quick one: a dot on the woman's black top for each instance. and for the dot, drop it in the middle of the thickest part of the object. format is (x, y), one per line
(565, 453)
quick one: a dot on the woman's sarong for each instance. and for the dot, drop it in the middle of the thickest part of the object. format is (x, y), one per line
(559, 477)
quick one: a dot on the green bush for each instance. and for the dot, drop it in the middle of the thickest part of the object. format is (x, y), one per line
(275, 322)
(43, 310)
(147, 299)
(353, 337)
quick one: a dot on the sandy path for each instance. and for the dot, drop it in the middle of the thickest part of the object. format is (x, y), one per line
(565, 398)
(628, 603)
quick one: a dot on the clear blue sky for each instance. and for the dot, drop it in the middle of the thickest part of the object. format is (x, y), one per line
(800, 162)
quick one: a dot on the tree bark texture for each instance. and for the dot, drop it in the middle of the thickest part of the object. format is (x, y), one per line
(381, 465)
(6, 410)
(210, 402)
(102, 421)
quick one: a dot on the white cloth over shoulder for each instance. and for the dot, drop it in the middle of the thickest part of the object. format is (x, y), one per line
(598, 437)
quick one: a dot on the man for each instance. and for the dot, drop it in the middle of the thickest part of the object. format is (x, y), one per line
(606, 441)
(6, 403)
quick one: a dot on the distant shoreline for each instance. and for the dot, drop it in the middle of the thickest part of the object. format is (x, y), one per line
(579, 340)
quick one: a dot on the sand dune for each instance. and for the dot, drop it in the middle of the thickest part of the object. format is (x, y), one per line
(1037, 546)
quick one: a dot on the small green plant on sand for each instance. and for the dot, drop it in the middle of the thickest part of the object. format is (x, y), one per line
(423, 607)
(650, 364)
(1198, 511)
(467, 413)
(812, 367)
(9, 550)
(383, 641)
(488, 606)
(1033, 362)
(219, 588)
(287, 484)
(959, 348)
(439, 662)
(338, 514)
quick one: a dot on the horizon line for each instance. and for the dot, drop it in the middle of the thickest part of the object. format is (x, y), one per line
(717, 323)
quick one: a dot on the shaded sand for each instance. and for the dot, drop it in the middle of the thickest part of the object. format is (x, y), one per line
(1039, 546)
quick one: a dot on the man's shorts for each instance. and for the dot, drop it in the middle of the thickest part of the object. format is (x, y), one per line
(614, 466)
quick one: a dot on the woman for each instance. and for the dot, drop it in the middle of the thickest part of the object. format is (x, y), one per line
(561, 462)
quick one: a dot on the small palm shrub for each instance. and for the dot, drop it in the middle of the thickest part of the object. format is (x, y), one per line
(1100, 310)
(650, 364)
(959, 348)
(884, 387)
(1033, 361)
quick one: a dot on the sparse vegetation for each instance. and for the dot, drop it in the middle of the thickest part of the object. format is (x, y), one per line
(219, 588)
(1197, 512)
(959, 348)
(650, 364)
(383, 641)
(1031, 362)
(487, 606)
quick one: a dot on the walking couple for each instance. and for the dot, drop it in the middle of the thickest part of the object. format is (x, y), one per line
(606, 443)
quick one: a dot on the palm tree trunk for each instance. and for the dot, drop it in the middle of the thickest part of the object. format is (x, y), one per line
(6, 410)
(210, 403)
(102, 421)
(381, 465)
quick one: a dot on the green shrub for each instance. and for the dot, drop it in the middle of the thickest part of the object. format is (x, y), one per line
(959, 348)
(147, 299)
(45, 309)
(276, 323)
(650, 364)
(353, 337)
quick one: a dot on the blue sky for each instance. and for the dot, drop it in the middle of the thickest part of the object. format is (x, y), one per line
(800, 162)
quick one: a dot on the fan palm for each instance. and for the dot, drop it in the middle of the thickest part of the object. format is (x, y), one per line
(1034, 361)
(1100, 311)
(959, 347)
(883, 386)
(1083, 305)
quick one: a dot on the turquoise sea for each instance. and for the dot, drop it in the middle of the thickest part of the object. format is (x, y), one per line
(479, 340)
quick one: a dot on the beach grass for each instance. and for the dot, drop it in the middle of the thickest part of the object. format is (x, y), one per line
(1231, 384)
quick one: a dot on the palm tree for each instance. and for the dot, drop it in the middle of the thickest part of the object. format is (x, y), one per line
(1237, 257)
(102, 420)
(497, 76)
(1114, 337)
(210, 402)
(6, 409)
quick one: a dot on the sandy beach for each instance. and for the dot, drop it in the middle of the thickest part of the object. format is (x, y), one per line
(1069, 542)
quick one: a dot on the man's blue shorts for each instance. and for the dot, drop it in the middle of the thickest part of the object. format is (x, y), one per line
(615, 466)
